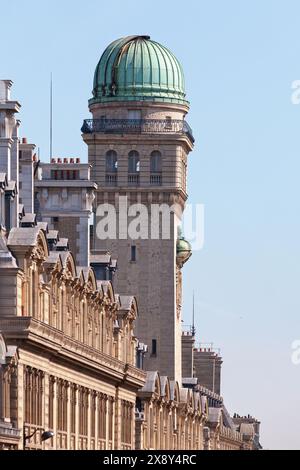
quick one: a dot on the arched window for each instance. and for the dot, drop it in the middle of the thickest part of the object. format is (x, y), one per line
(133, 168)
(133, 162)
(155, 162)
(111, 168)
(155, 168)
(111, 161)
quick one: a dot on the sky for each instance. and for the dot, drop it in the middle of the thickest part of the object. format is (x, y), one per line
(240, 60)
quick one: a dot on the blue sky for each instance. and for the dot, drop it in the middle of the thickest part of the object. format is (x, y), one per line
(240, 59)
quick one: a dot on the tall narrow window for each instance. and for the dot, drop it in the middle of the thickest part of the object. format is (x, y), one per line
(155, 168)
(154, 348)
(111, 164)
(133, 168)
(133, 253)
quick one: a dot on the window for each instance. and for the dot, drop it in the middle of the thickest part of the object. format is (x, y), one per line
(153, 349)
(155, 168)
(133, 162)
(111, 161)
(111, 168)
(133, 253)
(155, 162)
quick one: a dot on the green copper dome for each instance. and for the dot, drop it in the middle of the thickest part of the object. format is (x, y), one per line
(183, 248)
(135, 68)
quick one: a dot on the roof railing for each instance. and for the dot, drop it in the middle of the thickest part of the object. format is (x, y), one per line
(137, 126)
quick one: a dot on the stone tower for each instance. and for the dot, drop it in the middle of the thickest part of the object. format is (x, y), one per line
(138, 142)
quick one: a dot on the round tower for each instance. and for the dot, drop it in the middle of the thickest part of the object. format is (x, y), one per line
(138, 142)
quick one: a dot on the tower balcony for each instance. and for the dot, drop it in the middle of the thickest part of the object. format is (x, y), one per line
(137, 126)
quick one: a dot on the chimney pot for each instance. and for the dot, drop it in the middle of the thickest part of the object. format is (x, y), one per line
(24, 140)
(77, 160)
(66, 160)
(71, 160)
(59, 160)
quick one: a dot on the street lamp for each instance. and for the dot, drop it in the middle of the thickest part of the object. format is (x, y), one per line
(45, 435)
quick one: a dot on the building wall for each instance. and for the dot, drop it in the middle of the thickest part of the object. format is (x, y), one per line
(153, 273)
(70, 367)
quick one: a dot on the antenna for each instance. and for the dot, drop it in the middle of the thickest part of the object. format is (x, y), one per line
(193, 325)
(51, 112)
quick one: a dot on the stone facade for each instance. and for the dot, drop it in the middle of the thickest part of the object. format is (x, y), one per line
(154, 268)
(74, 369)
(73, 356)
(64, 196)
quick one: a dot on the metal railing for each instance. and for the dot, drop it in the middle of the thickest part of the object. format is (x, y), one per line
(156, 179)
(133, 179)
(111, 179)
(137, 126)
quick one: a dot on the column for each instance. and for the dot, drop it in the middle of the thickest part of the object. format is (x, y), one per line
(21, 402)
(76, 418)
(89, 410)
(45, 404)
(96, 419)
(55, 412)
(68, 415)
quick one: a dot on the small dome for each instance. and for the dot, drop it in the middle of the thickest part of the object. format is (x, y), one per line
(183, 250)
(135, 68)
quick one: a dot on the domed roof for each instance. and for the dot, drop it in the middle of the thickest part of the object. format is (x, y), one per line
(135, 68)
(183, 246)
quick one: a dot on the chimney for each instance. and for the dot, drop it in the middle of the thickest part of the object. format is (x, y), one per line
(187, 346)
(207, 364)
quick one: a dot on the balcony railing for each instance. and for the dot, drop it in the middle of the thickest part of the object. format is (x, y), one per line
(155, 179)
(111, 179)
(133, 179)
(137, 126)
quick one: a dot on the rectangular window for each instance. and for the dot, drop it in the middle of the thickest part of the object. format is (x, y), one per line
(133, 253)
(153, 349)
